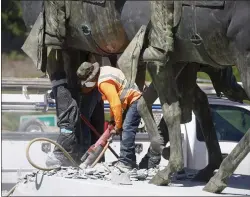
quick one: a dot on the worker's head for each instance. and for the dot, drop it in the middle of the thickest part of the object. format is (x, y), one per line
(88, 74)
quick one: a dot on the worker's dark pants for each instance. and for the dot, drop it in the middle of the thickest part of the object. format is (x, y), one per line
(75, 135)
(62, 66)
(92, 108)
(67, 118)
(130, 126)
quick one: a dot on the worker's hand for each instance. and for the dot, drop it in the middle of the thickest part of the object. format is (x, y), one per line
(116, 131)
(112, 122)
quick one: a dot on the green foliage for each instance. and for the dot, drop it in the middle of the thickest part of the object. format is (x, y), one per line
(11, 120)
(246, 102)
(202, 75)
(15, 55)
(148, 78)
(236, 73)
(12, 18)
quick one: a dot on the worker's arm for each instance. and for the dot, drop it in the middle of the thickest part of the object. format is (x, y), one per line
(111, 94)
(111, 114)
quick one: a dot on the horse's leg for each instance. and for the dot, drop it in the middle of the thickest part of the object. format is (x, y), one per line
(165, 84)
(203, 114)
(141, 75)
(224, 81)
(144, 108)
(219, 181)
(243, 64)
(152, 158)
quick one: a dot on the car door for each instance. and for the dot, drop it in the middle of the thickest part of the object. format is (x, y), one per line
(231, 123)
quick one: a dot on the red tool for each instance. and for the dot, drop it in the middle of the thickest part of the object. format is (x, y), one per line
(96, 151)
(98, 134)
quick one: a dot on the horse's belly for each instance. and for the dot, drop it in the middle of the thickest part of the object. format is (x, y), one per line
(210, 30)
(96, 29)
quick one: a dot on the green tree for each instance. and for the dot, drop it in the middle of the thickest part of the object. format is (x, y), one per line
(236, 73)
(202, 75)
(12, 21)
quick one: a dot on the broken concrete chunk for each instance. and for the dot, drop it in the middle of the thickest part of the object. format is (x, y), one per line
(82, 177)
(120, 179)
(71, 171)
(142, 174)
(101, 171)
(93, 177)
(90, 171)
(68, 176)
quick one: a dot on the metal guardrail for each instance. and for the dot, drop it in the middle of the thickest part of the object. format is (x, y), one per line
(36, 102)
(45, 82)
(11, 83)
(41, 85)
(209, 81)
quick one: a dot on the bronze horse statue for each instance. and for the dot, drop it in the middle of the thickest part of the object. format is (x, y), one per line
(211, 33)
(206, 32)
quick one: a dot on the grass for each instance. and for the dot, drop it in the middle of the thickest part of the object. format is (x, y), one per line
(148, 78)
(15, 56)
(11, 120)
(203, 75)
(246, 102)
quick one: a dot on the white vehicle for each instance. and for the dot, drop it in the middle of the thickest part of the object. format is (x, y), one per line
(231, 121)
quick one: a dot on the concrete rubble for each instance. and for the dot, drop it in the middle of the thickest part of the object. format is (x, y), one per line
(102, 171)
(99, 179)
(105, 172)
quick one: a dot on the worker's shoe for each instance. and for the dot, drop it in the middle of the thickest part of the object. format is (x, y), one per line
(123, 167)
(67, 140)
(57, 159)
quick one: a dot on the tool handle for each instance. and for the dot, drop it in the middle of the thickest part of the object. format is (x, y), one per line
(101, 154)
(104, 137)
(98, 134)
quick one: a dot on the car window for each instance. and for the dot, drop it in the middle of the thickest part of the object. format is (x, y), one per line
(231, 123)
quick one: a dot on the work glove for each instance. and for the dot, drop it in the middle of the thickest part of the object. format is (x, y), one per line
(116, 131)
(112, 122)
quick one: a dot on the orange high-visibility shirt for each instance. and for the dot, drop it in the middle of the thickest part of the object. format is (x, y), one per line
(108, 89)
(112, 85)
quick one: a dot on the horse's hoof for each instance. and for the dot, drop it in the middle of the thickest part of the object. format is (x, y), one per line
(204, 175)
(159, 181)
(214, 186)
(166, 153)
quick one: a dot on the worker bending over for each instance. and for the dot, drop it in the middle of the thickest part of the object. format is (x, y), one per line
(113, 86)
